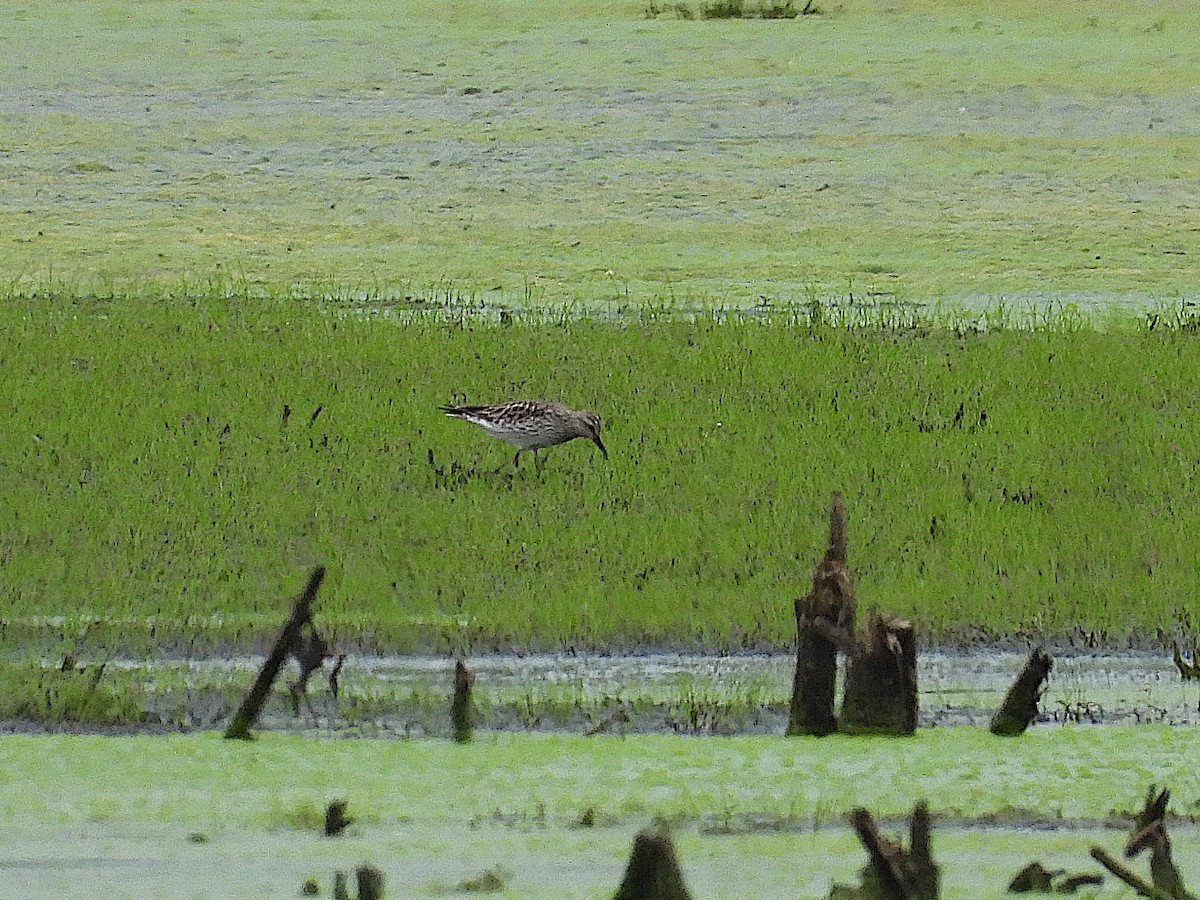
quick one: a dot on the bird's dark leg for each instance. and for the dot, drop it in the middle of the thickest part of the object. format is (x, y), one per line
(517, 460)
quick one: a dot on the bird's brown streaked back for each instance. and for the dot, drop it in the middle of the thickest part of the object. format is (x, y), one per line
(532, 424)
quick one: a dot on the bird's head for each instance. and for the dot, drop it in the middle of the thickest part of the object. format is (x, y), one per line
(591, 429)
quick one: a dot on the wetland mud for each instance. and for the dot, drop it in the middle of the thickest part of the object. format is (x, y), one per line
(670, 693)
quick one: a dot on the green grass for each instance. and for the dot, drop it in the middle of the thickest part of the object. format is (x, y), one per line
(1038, 481)
(88, 695)
(580, 153)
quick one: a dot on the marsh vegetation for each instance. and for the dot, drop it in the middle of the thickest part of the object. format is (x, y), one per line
(935, 256)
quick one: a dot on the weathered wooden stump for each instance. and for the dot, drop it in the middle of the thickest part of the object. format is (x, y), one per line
(894, 873)
(336, 820)
(653, 872)
(824, 625)
(247, 714)
(1020, 706)
(881, 680)
(370, 883)
(461, 718)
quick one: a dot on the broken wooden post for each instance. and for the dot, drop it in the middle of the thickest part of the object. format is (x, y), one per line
(1150, 833)
(336, 820)
(460, 708)
(824, 625)
(247, 714)
(653, 872)
(893, 872)
(880, 696)
(370, 883)
(1020, 706)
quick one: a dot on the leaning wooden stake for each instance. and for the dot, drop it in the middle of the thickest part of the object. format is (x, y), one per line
(247, 714)
(881, 680)
(895, 873)
(460, 708)
(1020, 706)
(653, 872)
(824, 625)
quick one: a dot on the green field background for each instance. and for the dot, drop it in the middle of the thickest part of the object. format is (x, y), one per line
(213, 212)
(581, 152)
(1002, 481)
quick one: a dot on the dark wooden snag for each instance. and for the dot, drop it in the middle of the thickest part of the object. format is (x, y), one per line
(336, 819)
(881, 680)
(1150, 833)
(894, 873)
(1020, 706)
(460, 708)
(1037, 879)
(247, 714)
(370, 883)
(1034, 878)
(824, 625)
(653, 872)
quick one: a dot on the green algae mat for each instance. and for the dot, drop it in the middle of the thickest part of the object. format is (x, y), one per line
(149, 816)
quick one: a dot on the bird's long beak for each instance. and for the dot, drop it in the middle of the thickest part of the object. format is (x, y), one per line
(599, 443)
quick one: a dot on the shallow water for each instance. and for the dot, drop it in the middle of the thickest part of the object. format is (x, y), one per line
(663, 692)
(117, 860)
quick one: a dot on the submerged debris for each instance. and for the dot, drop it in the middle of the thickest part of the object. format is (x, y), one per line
(1037, 879)
(489, 881)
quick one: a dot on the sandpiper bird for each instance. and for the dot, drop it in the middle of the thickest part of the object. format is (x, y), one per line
(532, 424)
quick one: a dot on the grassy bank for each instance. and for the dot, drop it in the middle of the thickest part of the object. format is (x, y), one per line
(1007, 480)
(579, 151)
